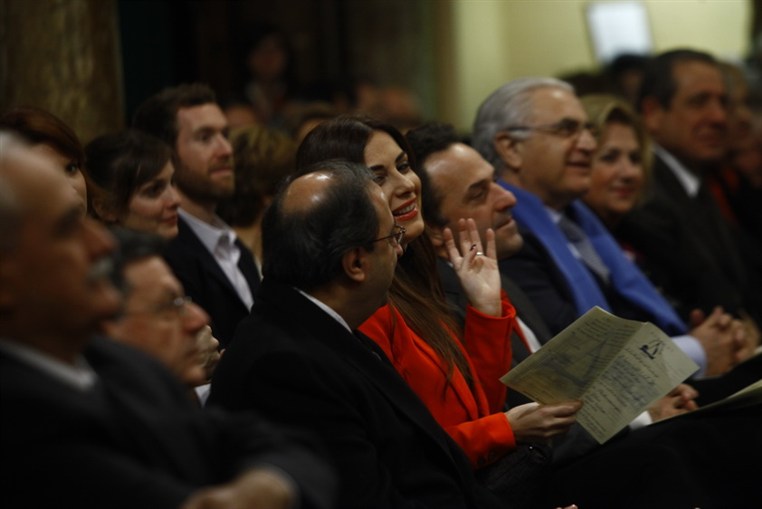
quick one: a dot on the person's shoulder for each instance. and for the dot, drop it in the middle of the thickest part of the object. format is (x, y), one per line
(185, 243)
(123, 365)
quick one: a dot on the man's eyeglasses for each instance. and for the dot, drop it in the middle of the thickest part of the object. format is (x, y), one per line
(565, 128)
(396, 237)
(177, 306)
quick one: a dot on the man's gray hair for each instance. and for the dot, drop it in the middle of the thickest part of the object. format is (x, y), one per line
(509, 105)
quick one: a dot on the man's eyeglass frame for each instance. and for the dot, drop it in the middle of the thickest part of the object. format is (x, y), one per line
(397, 236)
(566, 128)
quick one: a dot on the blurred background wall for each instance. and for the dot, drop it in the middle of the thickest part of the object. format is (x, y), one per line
(496, 41)
(93, 61)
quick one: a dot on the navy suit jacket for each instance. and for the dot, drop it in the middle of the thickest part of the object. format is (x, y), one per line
(134, 440)
(207, 285)
(299, 367)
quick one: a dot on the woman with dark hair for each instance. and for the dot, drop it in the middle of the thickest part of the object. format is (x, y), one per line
(130, 182)
(52, 138)
(454, 372)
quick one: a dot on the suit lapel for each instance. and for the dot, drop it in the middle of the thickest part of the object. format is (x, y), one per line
(192, 245)
(248, 267)
(133, 399)
(526, 310)
(716, 234)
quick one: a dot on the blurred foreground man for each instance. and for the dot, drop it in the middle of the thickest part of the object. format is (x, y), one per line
(91, 422)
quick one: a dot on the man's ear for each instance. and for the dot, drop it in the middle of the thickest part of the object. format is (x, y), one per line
(355, 264)
(508, 149)
(652, 113)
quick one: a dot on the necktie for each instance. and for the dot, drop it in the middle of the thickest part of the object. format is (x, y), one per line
(585, 250)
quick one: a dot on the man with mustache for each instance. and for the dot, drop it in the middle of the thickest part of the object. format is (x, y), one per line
(215, 268)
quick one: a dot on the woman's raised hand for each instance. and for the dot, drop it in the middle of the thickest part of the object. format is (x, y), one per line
(476, 266)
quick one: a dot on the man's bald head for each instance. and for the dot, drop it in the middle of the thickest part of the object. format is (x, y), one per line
(306, 192)
(316, 218)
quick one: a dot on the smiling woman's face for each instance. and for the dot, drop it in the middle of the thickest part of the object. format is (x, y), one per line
(397, 179)
(618, 177)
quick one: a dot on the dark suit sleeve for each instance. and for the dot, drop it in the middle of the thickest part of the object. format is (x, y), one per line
(81, 474)
(533, 271)
(248, 441)
(675, 261)
(288, 388)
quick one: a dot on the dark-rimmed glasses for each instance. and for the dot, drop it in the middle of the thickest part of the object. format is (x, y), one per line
(396, 237)
(565, 128)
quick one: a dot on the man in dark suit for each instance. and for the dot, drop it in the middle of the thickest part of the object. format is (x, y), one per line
(330, 251)
(216, 269)
(91, 422)
(689, 249)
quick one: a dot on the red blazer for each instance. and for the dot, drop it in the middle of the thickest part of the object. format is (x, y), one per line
(473, 418)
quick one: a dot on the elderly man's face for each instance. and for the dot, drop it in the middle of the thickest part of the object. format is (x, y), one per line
(554, 165)
(55, 279)
(694, 127)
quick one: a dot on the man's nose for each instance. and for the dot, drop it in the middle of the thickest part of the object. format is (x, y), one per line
(718, 112)
(587, 141)
(224, 148)
(195, 317)
(505, 199)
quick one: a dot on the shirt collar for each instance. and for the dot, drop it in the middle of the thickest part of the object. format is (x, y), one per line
(555, 215)
(688, 180)
(327, 309)
(210, 235)
(80, 376)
